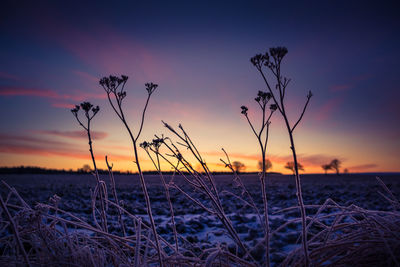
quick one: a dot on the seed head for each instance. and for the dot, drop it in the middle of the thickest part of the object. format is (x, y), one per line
(150, 87)
(244, 110)
(75, 109)
(86, 106)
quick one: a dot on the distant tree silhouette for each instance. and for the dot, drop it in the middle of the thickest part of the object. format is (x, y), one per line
(86, 168)
(291, 166)
(238, 166)
(268, 165)
(326, 168)
(346, 171)
(335, 164)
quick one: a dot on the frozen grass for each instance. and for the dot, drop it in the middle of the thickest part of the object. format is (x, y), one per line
(332, 222)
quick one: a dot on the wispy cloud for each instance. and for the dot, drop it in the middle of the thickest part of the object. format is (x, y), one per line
(43, 146)
(8, 76)
(363, 167)
(86, 76)
(47, 93)
(328, 108)
(96, 135)
(339, 88)
(62, 105)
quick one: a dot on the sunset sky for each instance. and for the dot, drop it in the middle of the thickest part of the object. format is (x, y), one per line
(346, 52)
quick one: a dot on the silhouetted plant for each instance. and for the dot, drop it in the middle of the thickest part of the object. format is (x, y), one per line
(114, 87)
(115, 196)
(262, 134)
(238, 166)
(326, 168)
(272, 62)
(290, 166)
(335, 164)
(154, 147)
(101, 190)
(200, 181)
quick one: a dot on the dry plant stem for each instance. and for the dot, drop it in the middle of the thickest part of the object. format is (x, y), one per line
(241, 184)
(121, 115)
(213, 196)
(138, 237)
(157, 165)
(263, 146)
(279, 102)
(15, 231)
(96, 174)
(114, 192)
(101, 192)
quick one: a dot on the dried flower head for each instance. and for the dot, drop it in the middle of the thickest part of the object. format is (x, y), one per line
(244, 110)
(111, 83)
(273, 107)
(86, 106)
(264, 95)
(158, 141)
(75, 109)
(278, 52)
(145, 145)
(257, 60)
(150, 87)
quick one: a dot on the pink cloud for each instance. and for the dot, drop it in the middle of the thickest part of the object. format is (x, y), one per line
(16, 138)
(326, 110)
(32, 145)
(86, 76)
(62, 105)
(8, 76)
(363, 167)
(105, 49)
(115, 54)
(339, 88)
(96, 135)
(76, 96)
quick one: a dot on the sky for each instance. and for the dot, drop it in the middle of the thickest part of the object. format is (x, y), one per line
(53, 54)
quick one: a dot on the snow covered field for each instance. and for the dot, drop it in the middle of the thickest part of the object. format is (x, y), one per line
(196, 225)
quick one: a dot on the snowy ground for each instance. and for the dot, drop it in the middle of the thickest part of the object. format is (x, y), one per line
(199, 227)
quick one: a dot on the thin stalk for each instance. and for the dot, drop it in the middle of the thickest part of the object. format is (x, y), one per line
(262, 99)
(101, 191)
(111, 85)
(15, 231)
(157, 165)
(114, 192)
(259, 61)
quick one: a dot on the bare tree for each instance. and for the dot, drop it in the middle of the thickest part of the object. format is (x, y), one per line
(335, 163)
(291, 166)
(85, 168)
(238, 166)
(268, 165)
(326, 168)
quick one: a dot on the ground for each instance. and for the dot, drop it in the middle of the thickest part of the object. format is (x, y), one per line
(196, 225)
